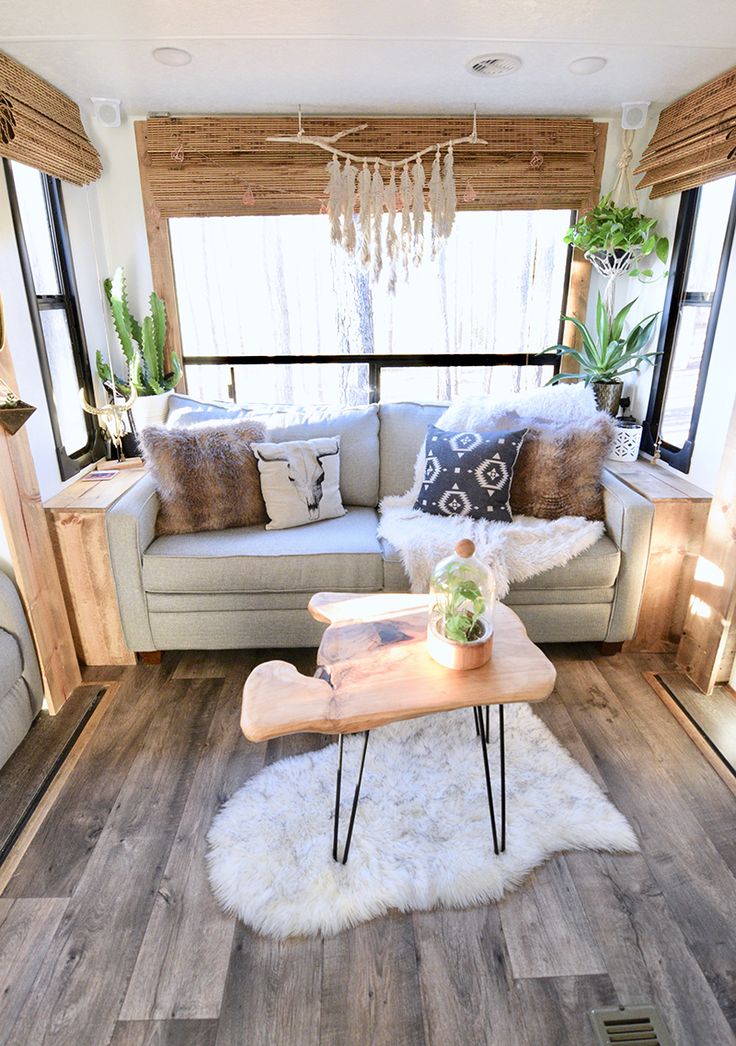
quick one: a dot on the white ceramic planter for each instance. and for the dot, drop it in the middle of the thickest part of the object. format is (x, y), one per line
(150, 410)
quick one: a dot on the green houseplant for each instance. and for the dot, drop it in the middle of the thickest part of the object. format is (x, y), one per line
(607, 353)
(618, 240)
(142, 345)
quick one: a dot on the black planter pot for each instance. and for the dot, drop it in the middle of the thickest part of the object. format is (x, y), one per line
(608, 395)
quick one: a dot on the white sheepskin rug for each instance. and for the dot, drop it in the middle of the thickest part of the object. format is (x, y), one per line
(515, 551)
(422, 836)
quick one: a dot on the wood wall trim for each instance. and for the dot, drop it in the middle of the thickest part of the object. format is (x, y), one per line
(162, 260)
(712, 606)
(32, 554)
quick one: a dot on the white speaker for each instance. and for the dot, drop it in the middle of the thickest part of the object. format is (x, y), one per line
(107, 111)
(634, 115)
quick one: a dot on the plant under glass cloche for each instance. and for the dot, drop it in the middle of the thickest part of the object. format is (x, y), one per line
(462, 597)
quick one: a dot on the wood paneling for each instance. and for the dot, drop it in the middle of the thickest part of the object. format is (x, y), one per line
(36, 573)
(712, 605)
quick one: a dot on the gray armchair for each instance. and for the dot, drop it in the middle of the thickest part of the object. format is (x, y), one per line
(21, 689)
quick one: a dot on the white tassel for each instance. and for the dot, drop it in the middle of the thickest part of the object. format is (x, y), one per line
(364, 195)
(392, 239)
(405, 190)
(417, 211)
(450, 194)
(377, 209)
(436, 202)
(334, 199)
(349, 175)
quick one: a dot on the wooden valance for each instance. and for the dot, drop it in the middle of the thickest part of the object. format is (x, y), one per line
(695, 140)
(212, 165)
(41, 127)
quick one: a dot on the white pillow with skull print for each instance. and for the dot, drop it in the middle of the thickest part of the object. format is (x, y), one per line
(300, 481)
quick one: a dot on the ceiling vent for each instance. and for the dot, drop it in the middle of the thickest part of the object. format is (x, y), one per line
(493, 64)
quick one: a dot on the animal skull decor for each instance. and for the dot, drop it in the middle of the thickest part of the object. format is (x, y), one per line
(304, 469)
(111, 418)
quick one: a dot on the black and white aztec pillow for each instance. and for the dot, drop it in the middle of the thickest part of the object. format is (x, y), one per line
(469, 473)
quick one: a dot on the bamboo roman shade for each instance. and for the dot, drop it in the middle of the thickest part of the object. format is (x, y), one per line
(203, 166)
(41, 127)
(695, 140)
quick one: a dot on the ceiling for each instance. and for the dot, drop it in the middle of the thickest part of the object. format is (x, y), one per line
(387, 56)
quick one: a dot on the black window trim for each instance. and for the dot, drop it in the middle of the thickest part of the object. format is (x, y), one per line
(675, 295)
(67, 299)
(378, 361)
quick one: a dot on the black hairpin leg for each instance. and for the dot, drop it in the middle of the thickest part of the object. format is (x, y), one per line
(482, 727)
(336, 827)
(502, 760)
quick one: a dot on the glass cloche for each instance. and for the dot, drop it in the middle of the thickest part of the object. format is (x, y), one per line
(462, 597)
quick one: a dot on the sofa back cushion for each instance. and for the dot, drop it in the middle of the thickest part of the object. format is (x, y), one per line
(403, 429)
(357, 428)
(185, 411)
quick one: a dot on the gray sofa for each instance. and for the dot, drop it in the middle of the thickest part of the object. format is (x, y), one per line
(249, 587)
(21, 689)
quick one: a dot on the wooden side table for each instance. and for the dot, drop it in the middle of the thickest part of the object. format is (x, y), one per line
(76, 518)
(680, 516)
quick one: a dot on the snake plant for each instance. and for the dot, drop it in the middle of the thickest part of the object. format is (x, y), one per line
(142, 343)
(607, 353)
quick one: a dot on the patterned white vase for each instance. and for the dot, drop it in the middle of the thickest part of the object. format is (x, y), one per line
(626, 443)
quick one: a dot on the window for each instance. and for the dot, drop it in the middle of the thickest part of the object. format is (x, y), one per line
(269, 311)
(43, 245)
(703, 241)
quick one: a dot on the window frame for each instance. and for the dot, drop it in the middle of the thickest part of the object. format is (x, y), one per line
(66, 300)
(377, 361)
(676, 296)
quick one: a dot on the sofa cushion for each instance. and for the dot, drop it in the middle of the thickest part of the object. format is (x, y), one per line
(403, 429)
(357, 428)
(184, 411)
(16, 716)
(11, 662)
(335, 554)
(595, 568)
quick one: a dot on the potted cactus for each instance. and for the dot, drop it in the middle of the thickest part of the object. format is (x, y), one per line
(143, 349)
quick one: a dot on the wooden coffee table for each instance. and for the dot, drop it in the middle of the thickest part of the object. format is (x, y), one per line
(374, 669)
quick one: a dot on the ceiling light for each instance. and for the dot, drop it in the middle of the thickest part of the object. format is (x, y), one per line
(493, 64)
(586, 66)
(172, 55)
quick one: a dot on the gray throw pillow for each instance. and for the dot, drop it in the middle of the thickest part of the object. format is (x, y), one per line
(469, 473)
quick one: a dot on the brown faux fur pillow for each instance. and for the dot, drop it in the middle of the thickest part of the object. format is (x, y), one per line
(207, 476)
(558, 471)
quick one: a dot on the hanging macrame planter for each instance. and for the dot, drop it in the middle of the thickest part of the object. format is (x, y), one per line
(380, 211)
(14, 412)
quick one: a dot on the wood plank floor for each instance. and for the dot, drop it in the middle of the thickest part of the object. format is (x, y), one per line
(109, 933)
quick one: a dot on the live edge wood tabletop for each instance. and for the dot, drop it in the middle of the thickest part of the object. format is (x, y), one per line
(79, 536)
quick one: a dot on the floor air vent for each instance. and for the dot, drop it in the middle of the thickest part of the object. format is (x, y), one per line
(630, 1026)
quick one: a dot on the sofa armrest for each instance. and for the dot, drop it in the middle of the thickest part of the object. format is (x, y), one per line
(13, 620)
(629, 523)
(131, 527)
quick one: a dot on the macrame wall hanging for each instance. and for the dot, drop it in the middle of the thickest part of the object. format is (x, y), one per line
(380, 210)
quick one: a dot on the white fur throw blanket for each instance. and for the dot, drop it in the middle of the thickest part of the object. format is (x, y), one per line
(515, 551)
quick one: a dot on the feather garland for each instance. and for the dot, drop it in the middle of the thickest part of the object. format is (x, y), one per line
(405, 191)
(377, 196)
(450, 195)
(349, 174)
(417, 210)
(334, 199)
(364, 195)
(392, 239)
(436, 202)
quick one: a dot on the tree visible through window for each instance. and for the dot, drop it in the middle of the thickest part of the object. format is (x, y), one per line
(273, 287)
